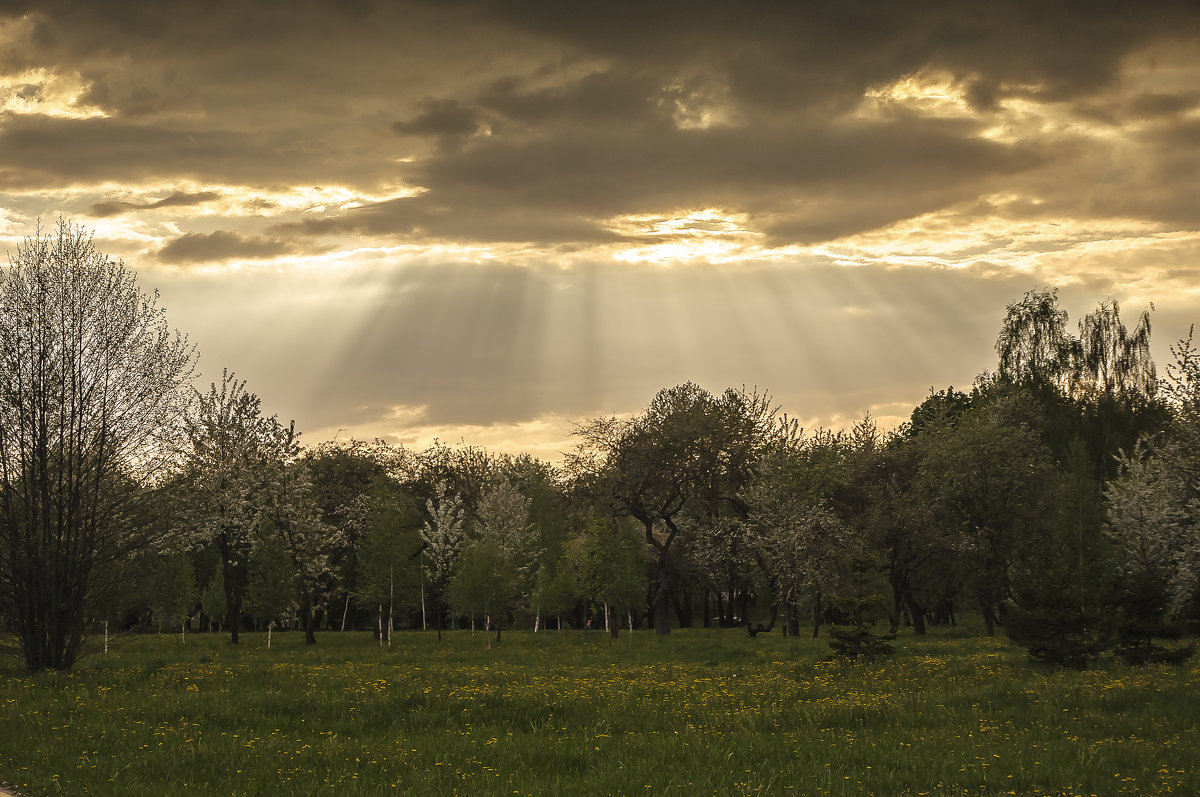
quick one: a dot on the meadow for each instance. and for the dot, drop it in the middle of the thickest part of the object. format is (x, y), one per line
(698, 712)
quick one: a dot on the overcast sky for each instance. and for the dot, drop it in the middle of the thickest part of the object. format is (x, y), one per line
(481, 221)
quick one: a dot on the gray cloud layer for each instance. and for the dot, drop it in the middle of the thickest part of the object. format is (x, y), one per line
(1034, 134)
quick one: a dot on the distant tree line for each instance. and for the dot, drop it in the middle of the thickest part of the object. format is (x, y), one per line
(1058, 497)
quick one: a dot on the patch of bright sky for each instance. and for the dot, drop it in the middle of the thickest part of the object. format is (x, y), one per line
(707, 235)
(927, 93)
(697, 102)
(46, 93)
(547, 437)
(956, 236)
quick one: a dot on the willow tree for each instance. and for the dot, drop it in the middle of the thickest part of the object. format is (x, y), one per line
(93, 384)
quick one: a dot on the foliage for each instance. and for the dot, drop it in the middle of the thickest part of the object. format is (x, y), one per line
(1061, 590)
(172, 591)
(992, 481)
(857, 642)
(389, 569)
(212, 599)
(499, 563)
(610, 560)
(270, 589)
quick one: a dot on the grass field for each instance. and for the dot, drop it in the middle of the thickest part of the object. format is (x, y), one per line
(710, 712)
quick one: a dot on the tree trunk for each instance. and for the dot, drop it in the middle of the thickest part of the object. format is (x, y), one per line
(816, 614)
(662, 602)
(989, 618)
(918, 615)
(310, 617)
(897, 606)
(233, 607)
(611, 620)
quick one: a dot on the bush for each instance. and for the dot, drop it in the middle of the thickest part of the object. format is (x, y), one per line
(1146, 652)
(858, 642)
(1055, 636)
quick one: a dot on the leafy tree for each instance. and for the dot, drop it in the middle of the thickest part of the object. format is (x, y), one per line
(501, 560)
(1034, 344)
(212, 599)
(550, 513)
(474, 590)
(611, 562)
(991, 481)
(92, 388)
(466, 472)
(389, 568)
(797, 540)
(350, 480)
(290, 506)
(173, 591)
(1058, 600)
(917, 557)
(688, 451)
(556, 589)
(270, 582)
(1111, 360)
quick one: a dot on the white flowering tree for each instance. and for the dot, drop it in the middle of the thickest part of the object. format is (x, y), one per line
(443, 537)
(1152, 529)
(291, 511)
(232, 448)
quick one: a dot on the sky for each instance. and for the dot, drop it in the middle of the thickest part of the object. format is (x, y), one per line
(484, 221)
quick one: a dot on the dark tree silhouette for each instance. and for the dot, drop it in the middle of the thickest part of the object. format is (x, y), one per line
(92, 390)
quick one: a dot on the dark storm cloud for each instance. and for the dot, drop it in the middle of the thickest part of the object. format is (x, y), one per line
(545, 123)
(619, 97)
(553, 189)
(178, 199)
(441, 117)
(41, 152)
(554, 116)
(798, 52)
(219, 246)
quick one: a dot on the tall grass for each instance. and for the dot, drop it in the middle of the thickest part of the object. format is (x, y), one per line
(570, 713)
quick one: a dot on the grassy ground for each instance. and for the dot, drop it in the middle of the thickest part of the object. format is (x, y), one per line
(698, 712)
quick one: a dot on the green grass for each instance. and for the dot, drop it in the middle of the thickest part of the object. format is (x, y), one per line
(697, 712)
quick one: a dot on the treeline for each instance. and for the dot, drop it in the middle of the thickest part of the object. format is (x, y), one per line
(1059, 498)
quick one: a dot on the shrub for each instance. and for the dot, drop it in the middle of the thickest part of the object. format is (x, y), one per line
(858, 642)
